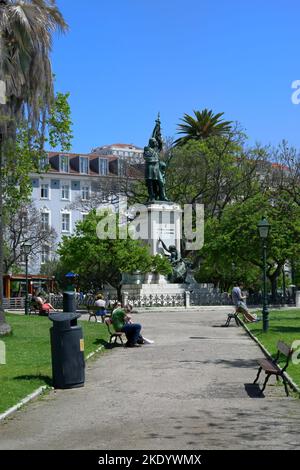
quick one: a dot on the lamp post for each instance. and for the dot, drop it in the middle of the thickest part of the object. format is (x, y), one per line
(263, 228)
(26, 250)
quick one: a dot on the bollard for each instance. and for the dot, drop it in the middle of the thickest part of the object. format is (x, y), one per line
(69, 302)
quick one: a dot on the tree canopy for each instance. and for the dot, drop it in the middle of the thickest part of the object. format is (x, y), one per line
(99, 262)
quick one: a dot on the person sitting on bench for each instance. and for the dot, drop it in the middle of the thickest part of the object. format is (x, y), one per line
(240, 304)
(44, 307)
(101, 312)
(121, 320)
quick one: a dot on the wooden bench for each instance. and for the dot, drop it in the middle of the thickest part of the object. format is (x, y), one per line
(34, 309)
(114, 335)
(92, 309)
(270, 367)
(232, 316)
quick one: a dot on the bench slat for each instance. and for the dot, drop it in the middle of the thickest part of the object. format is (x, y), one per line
(268, 366)
(284, 348)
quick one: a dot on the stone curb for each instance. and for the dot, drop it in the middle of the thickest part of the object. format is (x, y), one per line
(37, 392)
(25, 400)
(93, 353)
(269, 356)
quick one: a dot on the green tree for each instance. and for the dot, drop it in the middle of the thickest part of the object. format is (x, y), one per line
(26, 30)
(59, 123)
(207, 124)
(103, 261)
(215, 172)
(235, 238)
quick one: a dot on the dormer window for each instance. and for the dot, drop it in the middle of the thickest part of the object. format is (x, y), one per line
(103, 166)
(63, 164)
(84, 165)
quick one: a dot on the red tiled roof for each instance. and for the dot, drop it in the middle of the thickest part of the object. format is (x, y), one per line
(279, 166)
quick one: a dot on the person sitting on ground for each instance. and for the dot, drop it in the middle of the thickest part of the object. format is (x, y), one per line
(240, 304)
(121, 321)
(101, 312)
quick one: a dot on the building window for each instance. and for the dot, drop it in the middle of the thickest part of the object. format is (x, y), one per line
(84, 165)
(65, 192)
(45, 254)
(122, 168)
(45, 219)
(63, 164)
(65, 224)
(44, 191)
(85, 193)
(103, 166)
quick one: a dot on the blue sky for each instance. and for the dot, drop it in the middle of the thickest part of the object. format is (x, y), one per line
(125, 60)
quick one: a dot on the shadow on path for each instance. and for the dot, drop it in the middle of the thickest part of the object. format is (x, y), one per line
(106, 344)
(253, 391)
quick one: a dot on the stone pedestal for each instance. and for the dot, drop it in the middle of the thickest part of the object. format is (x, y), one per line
(158, 220)
(163, 220)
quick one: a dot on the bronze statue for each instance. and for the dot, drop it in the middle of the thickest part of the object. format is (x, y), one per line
(155, 169)
(179, 265)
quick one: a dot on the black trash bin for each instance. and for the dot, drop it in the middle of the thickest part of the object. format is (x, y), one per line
(67, 348)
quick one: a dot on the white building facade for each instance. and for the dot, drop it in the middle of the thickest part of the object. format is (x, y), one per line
(70, 178)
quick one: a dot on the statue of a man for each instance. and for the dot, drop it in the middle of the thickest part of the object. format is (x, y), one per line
(151, 156)
(155, 169)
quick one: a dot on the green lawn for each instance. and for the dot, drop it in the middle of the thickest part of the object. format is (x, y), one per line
(28, 355)
(283, 325)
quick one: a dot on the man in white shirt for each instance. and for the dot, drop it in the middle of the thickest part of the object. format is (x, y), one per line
(240, 304)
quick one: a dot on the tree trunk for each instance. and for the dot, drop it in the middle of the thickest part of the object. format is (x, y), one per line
(119, 292)
(5, 328)
(273, 288)
(273, 280)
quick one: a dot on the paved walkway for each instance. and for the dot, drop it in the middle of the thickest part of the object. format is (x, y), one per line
(190, 390)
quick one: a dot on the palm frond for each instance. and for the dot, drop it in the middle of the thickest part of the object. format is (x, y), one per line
(206, 124)
(26, 30)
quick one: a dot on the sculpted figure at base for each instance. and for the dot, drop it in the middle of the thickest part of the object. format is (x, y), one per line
(179, 265)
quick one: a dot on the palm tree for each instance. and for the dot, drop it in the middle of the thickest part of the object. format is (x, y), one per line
(206, 124)
(26, 30)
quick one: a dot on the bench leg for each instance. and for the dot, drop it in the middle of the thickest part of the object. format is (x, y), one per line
(258, 374)
(265, 382)
(285, 385)
(237, 320)
(228, 320)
